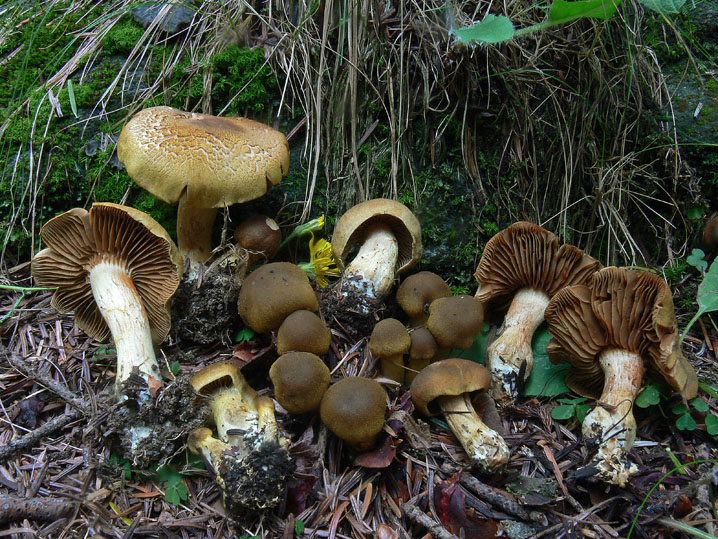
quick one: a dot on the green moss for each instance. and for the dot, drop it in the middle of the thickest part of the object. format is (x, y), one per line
(122, 37)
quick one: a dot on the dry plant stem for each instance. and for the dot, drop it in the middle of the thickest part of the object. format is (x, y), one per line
(485, 447)
(416, 515)
(121, 307)
(194, 231)
(34, 437)
(16, 509)
(614, 425)
(372, 270)
(513, 347)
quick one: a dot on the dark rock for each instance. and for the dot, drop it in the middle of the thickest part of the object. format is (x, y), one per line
(178, 17)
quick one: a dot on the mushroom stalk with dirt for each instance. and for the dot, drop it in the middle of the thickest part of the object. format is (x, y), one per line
(249, 455)
(609, 332)
(447, 388)
(521, 268)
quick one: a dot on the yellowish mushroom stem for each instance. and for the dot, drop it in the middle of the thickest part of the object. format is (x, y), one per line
(612, 422)
(121, 307)
(485, 447)
(513, 347)
(372, 271)
(393, 367)
(194, 230)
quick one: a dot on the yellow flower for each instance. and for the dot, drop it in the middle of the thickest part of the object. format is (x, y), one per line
(321, 263)
(306, 228)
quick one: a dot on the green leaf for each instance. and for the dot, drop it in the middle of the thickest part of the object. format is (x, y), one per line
(697, 260)
(577, 400)
(699, 405)
(680, 409)
(477, 352)
(707, 295)
(176, 492)
(245, 334)
(71, 96)
(563, 411)
(648, 397)
(562, 11)
(175, 367)
(695, 212)
(686, 422)
(664, 6)
(709, 389)
(546, 379)
(492, 29)
(712, 424)
(582, 411)
(298, 526)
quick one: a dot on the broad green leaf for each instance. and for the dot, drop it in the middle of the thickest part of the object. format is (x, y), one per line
(175, 367)
(664, 6)
(686, 422)
(563, 411)
(492, 29)
(298, 526)
(577, 400)
(695, 212)
(477, 352)
(680, 409)
(546, 379)
(697, 260)
(581, 412)
(699, 405)
(648, 397)
(245, 334)
(707, 295)
(712, 424)
(562, 11)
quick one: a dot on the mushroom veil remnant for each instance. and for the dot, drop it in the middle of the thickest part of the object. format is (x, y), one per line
(117, 268)
(611, 331)
(521, 268)
(389, 238)
(203, 162)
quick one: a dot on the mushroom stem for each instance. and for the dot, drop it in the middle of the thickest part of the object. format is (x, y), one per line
(194, 230)
(485, 447)
(612, 422)
(121, 307)
(513, 347)
(393, 367)
(372, 271)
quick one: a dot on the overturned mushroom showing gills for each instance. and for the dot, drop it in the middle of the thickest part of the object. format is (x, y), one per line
(389, 236)
(610, 331)
(117, 268)
(447, 387)
(249, 455)
(203, 162)
(521, 268)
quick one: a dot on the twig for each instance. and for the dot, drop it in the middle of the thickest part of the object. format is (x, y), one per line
(16, 509)
(31, 438)
(417, 516)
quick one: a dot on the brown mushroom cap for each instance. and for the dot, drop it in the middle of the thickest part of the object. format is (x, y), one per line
(525, 255)
(354, 409)
(303, 331)
(272, 292)
(417, 291)
(78, 239)
(351, 227)
(448, 377)
(389, 338)
(455, 321)
(620, 308)
(423, 345)
(710, 235)
(219, 161)
(260, 235)
(300, 380)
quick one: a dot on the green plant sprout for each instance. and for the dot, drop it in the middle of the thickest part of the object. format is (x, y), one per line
(707, 295)
(653, 393)
(23, 290)
(497, 29)
(175, 489)
(571, 408)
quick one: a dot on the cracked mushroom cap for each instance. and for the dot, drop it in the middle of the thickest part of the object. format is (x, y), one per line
(219, 161)
(524, 255)
(260, 236)
(354, 409)
(417, 291)
(272, 292)
(351, 228)
(619, 308)
(78, 239)
(300, 380)
(448, 377)
(455, 321)
(303, 331)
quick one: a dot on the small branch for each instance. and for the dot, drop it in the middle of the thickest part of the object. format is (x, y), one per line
(417, 516)
(16, 509)
(32, 438)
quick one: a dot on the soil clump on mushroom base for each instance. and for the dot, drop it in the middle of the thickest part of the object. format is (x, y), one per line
(204, 308)
(150, 433)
